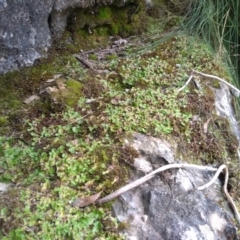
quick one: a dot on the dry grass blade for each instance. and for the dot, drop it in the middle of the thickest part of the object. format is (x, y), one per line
(86, 201)
(205, 126)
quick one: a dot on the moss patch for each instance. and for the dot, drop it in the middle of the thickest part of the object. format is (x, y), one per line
(88, 29)
(74, 92)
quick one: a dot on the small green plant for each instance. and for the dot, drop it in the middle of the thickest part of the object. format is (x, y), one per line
(53, 169)
(77, 152)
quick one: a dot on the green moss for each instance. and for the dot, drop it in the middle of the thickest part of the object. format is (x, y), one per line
(111, 57)
(102, 30)
(93, 57)
(85, 27)
(74, 92)
(83, 33)
(3, 120)
(104, 13)
(16, 86)
(72, 48)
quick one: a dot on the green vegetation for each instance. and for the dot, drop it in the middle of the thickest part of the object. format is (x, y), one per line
(89, 29)
(70, 145)
(54, 167)
(78, 151)
(217, 23)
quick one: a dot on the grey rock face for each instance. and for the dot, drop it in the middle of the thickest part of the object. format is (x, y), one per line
(27, 28)
(169, 206)
(24, 32)
(155, 149)
(224, 108)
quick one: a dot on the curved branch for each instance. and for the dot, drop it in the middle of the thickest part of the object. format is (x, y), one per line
(177, 165)
(224, 188)
(217, 78)
(209, 76)
(188, 81)
(149, 176)
(213, 179)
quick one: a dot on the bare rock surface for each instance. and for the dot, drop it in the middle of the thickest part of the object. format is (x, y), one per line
(169, 206)
(224, 107)
(29, 27)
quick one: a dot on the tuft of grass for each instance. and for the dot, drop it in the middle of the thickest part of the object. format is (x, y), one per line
(217, 23)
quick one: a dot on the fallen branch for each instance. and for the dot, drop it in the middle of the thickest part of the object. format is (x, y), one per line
(171, 166)
(217, 78)
(213, 179)
(85, 62)
(149, 176)
(188, 81)
(224, 188)
(209, 76)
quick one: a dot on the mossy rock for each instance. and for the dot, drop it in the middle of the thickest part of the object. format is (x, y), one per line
(74, 92)
(90, 28)
(64, 93)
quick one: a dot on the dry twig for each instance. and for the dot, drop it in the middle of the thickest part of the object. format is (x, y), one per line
(222, 167)
(171, 166)
(194, 72)
(149, 176)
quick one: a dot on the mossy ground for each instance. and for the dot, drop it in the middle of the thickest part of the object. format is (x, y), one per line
(56, 155)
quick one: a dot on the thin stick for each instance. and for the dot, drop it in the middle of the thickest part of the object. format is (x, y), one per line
(224, 188)
(85, 62)
(149, 176)
(219, 79)
(171, 166)
(209, 76)
(188, 81)
(213, 179)
(229, 197)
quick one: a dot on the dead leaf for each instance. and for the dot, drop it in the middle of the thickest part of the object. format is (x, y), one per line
(30, 99)
(86, 201)
(54, 78)
(50, 90)
(114, 101)
(61, 86)
(50, 80)
(205, 126)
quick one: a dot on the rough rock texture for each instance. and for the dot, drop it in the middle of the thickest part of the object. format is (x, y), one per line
(28, 27)
(24, 32)
(224, 108)
(169, 206)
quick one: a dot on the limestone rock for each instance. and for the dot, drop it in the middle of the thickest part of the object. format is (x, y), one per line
(224, 108)
(29, 27)
(155, 149)
(169, 206)
(24, 33)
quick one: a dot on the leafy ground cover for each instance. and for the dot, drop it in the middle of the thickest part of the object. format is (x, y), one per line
(58, 155)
